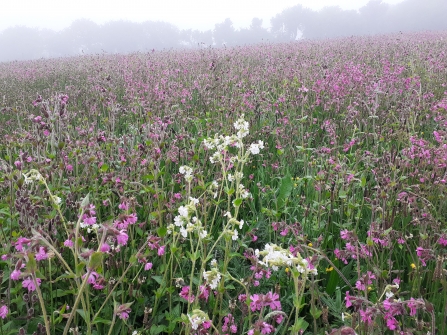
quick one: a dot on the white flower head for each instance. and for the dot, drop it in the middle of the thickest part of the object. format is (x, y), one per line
(212, 277)
(255, 147)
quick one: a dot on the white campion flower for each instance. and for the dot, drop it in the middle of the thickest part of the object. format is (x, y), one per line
(235, 235)
(184, 232)
(187, 172)
(216, 157)
(183, 211)
(230, 177)
(212, 277)
(195, 201)
(203, 233)
(57, 200)
(241, 123)
(255, 147)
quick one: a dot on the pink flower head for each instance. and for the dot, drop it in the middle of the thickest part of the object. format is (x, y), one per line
(122, 237)
(104, 247)
(161, 250)
(20, 242)
(256, 303)
(123, 206)
(3, 311)
(185, 294)
(69, 243)
(29, 284)
(15, 275)
(42, 254)
(267, 328)
(123, 311)
(204, 292)
(272, 300)
(147, 266)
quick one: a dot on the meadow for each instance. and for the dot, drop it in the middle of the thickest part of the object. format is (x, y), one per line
(272, 189)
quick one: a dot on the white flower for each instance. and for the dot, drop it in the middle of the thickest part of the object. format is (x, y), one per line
(255, 147)
(241, 123)
(230, 177)
(212, 277)
(184, 232)
(241, 223)
(57, 200)
(203, 234)
(183, 211)
(235, 235)
(216, 157)
(213, 263)
(194, 200)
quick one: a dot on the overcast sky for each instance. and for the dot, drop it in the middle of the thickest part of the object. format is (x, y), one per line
(185, 14)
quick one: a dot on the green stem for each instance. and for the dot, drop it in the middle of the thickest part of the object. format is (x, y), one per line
(42, 305)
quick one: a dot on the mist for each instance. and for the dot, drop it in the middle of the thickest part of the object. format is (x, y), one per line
(84, 36)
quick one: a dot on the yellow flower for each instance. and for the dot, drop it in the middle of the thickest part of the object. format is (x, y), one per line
(369, 288)
(329, 269)
(310, 244)
(413, 266)
(287, 270)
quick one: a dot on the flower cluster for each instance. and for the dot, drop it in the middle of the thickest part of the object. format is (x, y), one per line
(199, 320)
(187, 222)
(274, 256)
(213, 276)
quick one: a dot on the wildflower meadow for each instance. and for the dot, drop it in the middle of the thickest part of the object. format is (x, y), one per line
(291, 188)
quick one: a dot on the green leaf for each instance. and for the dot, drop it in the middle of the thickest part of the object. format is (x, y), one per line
(237, 202)
(86, 201)
(162, 231)
(95, 260)
(104, 167)
(31, 265)
(157, 329)
(300, 325)
(285, 189)
(158, 279)
(81, 312)
(101, 320)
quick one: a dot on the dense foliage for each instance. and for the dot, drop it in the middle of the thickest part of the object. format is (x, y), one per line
(287, 189)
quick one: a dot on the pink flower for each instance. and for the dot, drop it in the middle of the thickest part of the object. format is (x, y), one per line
(123, 206)
(185, 294)
(443, 240)
(15, 275)
(3, 311)
(69, 243)
(391, 323)
(41, 255)
(20, 242)
(348, 299)
(413, 306)
(204, 292)
(104, 247)
(161, 250)
(256, 303)
(122, 237)
(123, 315)
(267, 328)
(29, 284)
(344, 234)
(272, 300)
(147, 266)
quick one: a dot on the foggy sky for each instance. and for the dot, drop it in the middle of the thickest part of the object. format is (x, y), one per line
(185, 14)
